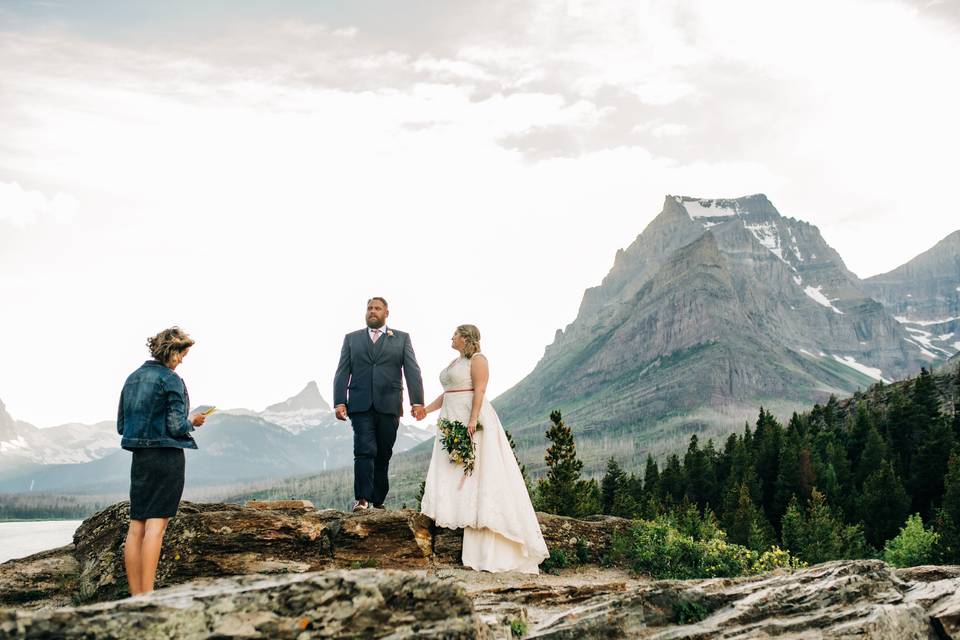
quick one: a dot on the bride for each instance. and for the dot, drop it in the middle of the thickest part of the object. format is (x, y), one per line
(491, 505)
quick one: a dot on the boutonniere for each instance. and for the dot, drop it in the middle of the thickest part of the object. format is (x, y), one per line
(389, 333)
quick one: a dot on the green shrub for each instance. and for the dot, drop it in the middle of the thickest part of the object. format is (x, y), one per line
(518, 628)
(367, 563)
(583, 553)
(776, 558)
(914, 545)
(689, 611)
(658, 549)
(556, 561)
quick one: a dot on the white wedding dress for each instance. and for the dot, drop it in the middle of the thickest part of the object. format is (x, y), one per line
(492, 506)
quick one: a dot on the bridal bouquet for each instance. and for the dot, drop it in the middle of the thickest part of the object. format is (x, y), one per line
(455, 438)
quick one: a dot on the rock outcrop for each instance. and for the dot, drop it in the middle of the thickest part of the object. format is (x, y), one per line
(335, 604)
(325, 574)
(218, 540)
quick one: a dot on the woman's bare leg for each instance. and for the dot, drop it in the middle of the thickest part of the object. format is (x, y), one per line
(152, 541)
(132, 556)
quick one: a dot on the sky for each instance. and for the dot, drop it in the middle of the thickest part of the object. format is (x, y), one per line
(254, 171)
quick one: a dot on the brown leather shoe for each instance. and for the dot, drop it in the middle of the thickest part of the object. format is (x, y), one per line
(360, 505)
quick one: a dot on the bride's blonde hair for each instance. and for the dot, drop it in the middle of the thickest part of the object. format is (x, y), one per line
(470, 335)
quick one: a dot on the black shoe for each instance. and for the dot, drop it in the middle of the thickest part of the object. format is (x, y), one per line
(379, 506)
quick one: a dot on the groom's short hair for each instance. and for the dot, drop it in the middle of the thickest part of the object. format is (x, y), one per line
(383, 300)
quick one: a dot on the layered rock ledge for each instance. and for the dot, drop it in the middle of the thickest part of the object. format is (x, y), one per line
(307, 582)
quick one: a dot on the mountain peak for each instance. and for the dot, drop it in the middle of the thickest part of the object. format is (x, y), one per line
(308, 398)
(711, 211)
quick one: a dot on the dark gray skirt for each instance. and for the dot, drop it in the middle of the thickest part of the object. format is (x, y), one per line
(156, 482)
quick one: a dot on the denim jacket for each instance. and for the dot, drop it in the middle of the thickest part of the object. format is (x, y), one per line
(153, 409)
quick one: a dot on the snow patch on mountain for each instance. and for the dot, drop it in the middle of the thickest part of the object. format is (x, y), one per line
(851, 362)
(769, 236)
(698, 209)
(816, 294)
(11, 445)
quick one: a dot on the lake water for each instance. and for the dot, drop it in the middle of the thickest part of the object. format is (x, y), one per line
(18, 539)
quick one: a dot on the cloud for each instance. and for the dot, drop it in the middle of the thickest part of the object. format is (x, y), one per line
(21, 207)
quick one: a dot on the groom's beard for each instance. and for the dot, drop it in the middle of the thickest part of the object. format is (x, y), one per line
(374, 323)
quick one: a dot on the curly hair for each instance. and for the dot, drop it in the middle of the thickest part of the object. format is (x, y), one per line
(169, 342)
(470, 335)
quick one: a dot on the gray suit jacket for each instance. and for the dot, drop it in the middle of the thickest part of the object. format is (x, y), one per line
(369, 376)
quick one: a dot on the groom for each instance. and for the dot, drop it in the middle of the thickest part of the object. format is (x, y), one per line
(368, 388)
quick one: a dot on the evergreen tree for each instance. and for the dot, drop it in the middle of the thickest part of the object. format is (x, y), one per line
(871, 459)
(926, 403)
(651, 505)
(672, 481)
(562, 491)
(588, 494)
(792, 528)
(612, 487)
(884, 506)
(900, 425)
(859, 433)
(819, 534)
(745, 524)
(948, 516)
(929, 468)
(956, 405)
(790, 480)
(699, 473)
(651, 479)
(767, 441)
(914, 545)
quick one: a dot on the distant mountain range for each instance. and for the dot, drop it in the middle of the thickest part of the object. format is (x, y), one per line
(299, 435)
(718, 307)
(924, 296)
(721, 306)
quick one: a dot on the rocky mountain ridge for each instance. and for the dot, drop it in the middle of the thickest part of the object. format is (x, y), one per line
(299, 435)
(719, 306)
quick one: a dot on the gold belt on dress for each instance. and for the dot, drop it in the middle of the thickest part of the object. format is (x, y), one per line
(457, 391)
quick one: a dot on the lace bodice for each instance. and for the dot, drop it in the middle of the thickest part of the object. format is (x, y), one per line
(457, 375)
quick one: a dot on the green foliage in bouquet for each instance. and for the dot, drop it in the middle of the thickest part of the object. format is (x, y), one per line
(456, 441)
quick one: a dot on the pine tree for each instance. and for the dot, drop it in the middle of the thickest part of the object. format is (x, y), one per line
(900, 425)
(956, 405)
(651, 504)
(562, 491)
(672, 481)
(745, 524)
(929, 468)
(948, 516)
(767, 442)
(885, 504)
(651, 478)
(871, 458)
(613, 486)
(859, 433)
(789, 482)
(700, 474)
(926, 402)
